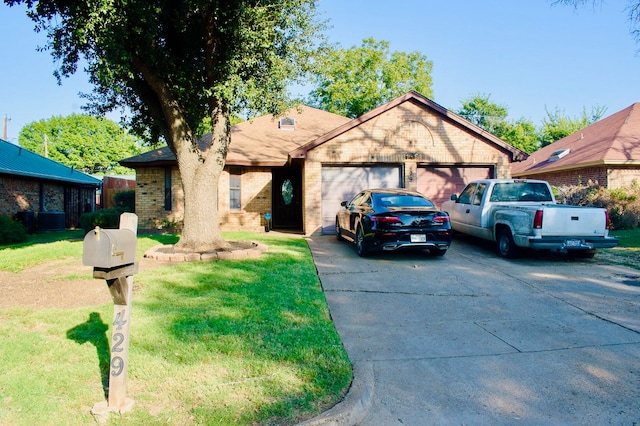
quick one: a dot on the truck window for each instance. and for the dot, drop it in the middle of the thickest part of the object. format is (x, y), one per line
(465, 195)
(520, 191)
(477, 197)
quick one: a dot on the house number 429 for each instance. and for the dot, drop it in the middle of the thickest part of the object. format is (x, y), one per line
(117, 363)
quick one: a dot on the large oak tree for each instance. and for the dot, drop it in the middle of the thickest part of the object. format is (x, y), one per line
(173, 63)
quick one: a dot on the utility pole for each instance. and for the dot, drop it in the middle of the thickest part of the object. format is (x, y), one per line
(4, 128)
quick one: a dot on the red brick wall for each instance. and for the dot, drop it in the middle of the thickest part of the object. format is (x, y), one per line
(575, 177)
(19, 194)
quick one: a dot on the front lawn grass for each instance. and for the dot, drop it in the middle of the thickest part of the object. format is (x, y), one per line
(212, 343)
(51, 246)
(628, 250)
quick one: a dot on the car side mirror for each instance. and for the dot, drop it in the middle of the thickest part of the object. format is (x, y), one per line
(343, 204)
(454, 197)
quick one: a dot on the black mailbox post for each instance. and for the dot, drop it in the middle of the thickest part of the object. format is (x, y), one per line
(112, 254)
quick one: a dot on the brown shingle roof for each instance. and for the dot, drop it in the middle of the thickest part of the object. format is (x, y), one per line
(426, 103)
(614, 140)
(260, 141)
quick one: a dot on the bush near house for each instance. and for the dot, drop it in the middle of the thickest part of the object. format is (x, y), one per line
(125, 200)
(11, 231)
(623, 204)
(109, 218)
(105, 218)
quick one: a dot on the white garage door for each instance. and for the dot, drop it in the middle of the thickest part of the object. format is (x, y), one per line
(342, 183)
(438, 183)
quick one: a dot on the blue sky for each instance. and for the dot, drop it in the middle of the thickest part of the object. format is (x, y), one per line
(527, 55)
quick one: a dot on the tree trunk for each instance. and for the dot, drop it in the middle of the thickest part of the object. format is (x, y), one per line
(200, 171)
(200, 165)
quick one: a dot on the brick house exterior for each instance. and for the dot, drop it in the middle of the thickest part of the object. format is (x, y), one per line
(606, 152)
(42, 193)
(298, 168)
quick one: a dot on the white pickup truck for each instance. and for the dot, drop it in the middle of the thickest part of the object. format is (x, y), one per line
(519, 213)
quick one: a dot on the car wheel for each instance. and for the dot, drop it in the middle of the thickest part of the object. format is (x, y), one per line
(506, 247)
(437, 252)
(338, 231)
(360, 245)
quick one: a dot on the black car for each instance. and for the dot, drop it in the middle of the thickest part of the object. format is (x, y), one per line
(392, 219)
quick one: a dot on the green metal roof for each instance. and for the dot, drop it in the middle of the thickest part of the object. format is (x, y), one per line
(17, 161)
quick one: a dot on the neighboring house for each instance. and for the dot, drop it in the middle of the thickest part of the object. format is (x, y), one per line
(300, 167)
(606, 152)
(42, 193)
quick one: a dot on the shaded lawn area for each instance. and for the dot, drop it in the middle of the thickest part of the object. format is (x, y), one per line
(227, 342)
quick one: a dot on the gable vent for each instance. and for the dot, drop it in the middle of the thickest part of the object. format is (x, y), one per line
(556, 155)
(287, 123)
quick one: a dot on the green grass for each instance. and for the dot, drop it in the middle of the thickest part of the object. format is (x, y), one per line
(628, 250)
(226, 342)
(60, 245)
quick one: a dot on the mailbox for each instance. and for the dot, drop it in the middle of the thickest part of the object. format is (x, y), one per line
(109, 248)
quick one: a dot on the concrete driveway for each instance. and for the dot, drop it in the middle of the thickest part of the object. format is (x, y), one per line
(473, 339)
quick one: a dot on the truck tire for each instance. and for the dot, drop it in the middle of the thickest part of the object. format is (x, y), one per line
(506, 246)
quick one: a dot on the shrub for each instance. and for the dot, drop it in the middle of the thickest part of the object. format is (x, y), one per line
(125, 200)
(623, 204)
(105, 218)
(11, 231)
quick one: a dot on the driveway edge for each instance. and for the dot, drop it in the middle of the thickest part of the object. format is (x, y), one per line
(355, 405)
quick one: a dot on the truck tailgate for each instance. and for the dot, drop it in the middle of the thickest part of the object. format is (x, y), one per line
(562, 220)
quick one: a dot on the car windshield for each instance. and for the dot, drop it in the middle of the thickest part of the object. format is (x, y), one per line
(401, 200)
(521, 191)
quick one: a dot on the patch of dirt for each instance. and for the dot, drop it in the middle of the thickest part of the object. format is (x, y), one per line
(63, 284)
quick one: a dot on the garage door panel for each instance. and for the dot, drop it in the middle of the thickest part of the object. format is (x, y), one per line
(438, 183)
(342, 183)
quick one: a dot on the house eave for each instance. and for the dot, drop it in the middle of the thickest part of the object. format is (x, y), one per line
(578, 166)
(81, 180)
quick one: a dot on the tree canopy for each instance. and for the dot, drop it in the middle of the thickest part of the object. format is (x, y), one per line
(356, 80)
(90, 144)
(522, 133)
(492, 117)
(557, 125)
(174, 63)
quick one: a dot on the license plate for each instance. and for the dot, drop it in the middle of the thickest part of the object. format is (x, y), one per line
(418, 238)
(573, 243)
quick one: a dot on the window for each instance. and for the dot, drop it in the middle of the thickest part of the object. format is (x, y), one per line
(465, 196)
(477, 198)
(520, 191)
(287, 192)
(287, 123)
(167, 188)
(234, 190)
(556, 155)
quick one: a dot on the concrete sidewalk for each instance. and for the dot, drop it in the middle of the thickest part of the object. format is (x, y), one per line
(470, 338)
